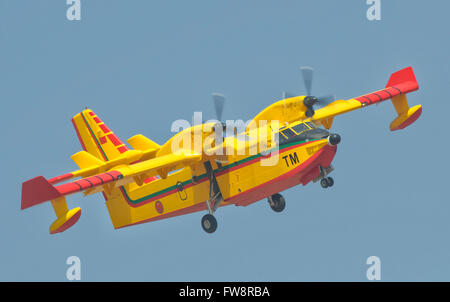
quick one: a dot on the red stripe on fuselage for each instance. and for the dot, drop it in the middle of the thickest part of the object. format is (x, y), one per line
(323, 157)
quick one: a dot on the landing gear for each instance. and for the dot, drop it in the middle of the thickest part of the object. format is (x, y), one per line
(209, 223)
(277, 202)
(326, 182)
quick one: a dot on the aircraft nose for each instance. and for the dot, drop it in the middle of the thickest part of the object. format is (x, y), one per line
(334, 139)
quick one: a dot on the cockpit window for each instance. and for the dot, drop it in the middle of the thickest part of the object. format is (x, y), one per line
(311, 125)
(288, 133)
(300, 128)
(303, 133)
(284, 135)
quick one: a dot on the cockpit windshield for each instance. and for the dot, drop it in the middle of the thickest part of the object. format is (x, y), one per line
(299, 132)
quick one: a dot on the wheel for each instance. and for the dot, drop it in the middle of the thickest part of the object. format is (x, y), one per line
(209, 223)
(277, 202)
(330, 181)
(324, 183)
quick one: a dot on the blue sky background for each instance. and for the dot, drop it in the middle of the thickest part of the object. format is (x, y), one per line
(142, 64)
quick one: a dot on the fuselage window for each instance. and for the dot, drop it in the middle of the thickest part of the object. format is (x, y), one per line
(300, 128)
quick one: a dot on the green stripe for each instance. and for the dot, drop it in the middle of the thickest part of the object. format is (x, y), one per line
(237, 163)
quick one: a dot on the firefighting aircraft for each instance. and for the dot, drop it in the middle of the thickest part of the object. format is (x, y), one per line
(149, 181)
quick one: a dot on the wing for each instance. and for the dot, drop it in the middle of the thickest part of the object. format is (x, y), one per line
(149, 159)
(399, 84)
(39, 189)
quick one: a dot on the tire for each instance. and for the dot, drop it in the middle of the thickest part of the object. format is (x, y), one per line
(330, 181)
(278, 203)
(209, 223)
(324, 183)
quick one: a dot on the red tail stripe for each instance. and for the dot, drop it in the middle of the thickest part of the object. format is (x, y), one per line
(122, 149)
(104, 128)
(115, 140)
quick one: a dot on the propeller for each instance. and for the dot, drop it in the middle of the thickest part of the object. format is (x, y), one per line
(287, 95)
(219, 102)
(308, 73)
(310, 100)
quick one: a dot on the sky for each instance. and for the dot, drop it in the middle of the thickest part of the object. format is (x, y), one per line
(140, 65)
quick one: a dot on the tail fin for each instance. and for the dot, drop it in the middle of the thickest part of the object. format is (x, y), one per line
(96, 138)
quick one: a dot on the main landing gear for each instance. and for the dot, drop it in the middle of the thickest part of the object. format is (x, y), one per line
(209, 222)
(277, 202)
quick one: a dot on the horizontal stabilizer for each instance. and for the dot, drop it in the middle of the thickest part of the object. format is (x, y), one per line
(86, 160)
(140, 142)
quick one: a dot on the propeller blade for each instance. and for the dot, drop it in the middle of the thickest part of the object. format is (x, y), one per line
(307, 73)
(219, 101)
(326, 99)
(287, 95)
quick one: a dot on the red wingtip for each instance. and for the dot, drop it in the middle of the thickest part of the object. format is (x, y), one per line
(410, 120)
(403, 76)
(68, 223)
(37, 190)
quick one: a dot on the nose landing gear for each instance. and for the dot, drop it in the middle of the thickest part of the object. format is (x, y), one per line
(326, 182)
(277, 202)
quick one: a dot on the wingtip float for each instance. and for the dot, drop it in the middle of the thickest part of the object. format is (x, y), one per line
(150, 182)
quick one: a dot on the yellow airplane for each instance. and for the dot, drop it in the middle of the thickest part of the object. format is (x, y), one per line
(151, 182)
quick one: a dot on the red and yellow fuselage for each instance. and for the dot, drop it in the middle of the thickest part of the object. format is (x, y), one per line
(242, 181)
